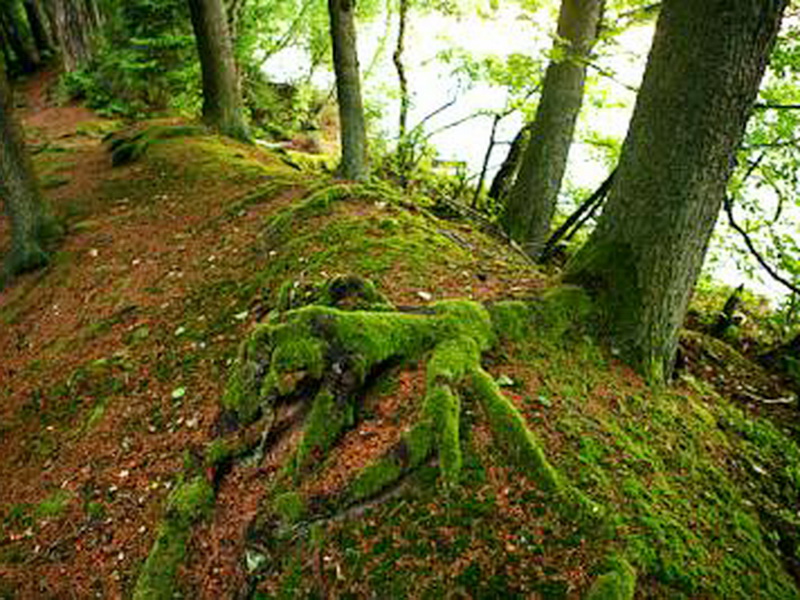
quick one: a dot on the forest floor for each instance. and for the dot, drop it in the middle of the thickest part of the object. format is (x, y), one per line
(115, 357)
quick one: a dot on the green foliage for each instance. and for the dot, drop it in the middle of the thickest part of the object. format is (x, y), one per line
(145, 61)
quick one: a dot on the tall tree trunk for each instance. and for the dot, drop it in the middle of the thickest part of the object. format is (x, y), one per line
(643, 259)
(16, 34)
(72, 25)
(222, 98)
(403, 142)
(19, 192)
(533, 197)
(348, 90)
(234, 10)
(39, 28)
(507, 173)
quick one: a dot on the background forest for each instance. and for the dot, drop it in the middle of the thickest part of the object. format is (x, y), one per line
(392, 299)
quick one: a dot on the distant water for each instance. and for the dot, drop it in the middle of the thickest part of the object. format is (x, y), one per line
(607, 109)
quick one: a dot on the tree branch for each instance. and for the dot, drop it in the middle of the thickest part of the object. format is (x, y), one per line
(589, 205)
(728, 203)
(775, 106)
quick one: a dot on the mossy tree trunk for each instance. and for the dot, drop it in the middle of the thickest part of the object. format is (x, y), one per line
(19, 191)
(348, 90)
(39, 26)
(222, 98)
(642, 261)
(532, 199)
(13, 20)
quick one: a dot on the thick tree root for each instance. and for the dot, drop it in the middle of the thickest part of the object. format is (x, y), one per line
(338, 350)
(329, 355)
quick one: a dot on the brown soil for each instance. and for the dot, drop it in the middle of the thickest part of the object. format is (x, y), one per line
(95, 346)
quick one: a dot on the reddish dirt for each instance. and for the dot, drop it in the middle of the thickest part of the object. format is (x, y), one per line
(143, 243)
(121, 317)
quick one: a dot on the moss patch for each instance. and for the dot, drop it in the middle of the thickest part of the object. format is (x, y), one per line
(189, 502)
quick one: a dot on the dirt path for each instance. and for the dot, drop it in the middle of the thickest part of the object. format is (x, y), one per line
(91, 428)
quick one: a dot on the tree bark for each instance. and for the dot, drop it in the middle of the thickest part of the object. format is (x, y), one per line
(643, 259)
(15, 33)
(403, 143)
(533, 197)
(73, 27)
(507, 173)
(19, 191)
(39, 28)
(348, 90)
(222, 98)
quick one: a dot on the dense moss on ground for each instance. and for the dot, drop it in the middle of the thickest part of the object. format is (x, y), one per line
(658, 462)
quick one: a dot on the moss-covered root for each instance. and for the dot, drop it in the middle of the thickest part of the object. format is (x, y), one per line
(187, 504)
(619, 583)
(513, 433)
(338, 350)
(522, 444)
(438, 427)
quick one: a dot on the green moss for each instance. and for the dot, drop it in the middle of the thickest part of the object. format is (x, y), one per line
(619, 583)
(323, 426)
(95, 510)
(509, 426)
(54, 505)
(96, 415)
(289, 506)
(560, 310)
(263, 193)
(127, 149)
(415, 447)
(217, 452)
(99, 128)
(511, 320)
(53, 180)
(189, 502)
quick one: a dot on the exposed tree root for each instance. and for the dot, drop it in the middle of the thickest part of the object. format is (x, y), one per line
(326, 356)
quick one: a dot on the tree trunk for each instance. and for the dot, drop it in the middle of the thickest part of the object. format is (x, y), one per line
(507, 173)
(222, 99)
(15, 33)
(38, 23)
(73, 26)
(533, 197)
(19, 191)
(348, 90)
(643, 259)
(403, 143)
(234, 10)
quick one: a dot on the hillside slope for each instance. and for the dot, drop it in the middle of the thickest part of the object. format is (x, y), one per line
(117, 357)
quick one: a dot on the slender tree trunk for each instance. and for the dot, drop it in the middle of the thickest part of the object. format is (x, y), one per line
(94, 14)
(19, 192)
(403, 143)
(16, 34)
(507, 173)
(643, 259)
(39, 28)
(486, 157)
(397, 58)
(533, 197)
(348, 90)
(222, 98)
